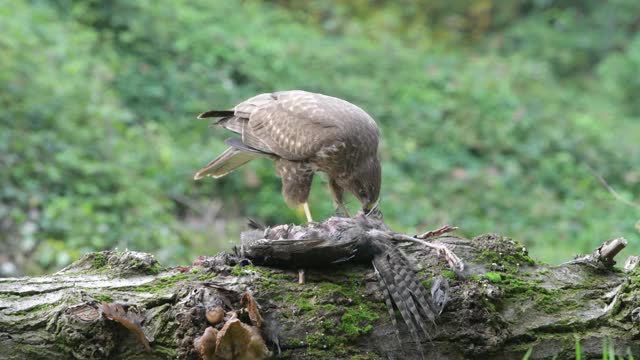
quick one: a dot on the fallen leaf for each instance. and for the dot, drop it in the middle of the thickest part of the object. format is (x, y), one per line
(252, 308)
(239, 341)
(130, 320)
(205, 345)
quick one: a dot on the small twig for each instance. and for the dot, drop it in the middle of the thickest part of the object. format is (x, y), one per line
(437, 232)
(187, 202)
(602, 257)
(610, 249)
(612, 190)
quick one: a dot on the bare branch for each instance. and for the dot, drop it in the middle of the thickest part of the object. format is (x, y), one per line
(611, 190)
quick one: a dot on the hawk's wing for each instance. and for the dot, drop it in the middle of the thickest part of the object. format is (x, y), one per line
(294, 125)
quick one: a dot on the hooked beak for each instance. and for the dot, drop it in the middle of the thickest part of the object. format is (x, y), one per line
(371, 208)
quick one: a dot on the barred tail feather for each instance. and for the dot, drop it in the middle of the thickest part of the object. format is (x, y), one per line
(403, 289)
(228, 161)
(384, 267)
(388, 300)
(416, 290)
(405, 284)
(215, 113)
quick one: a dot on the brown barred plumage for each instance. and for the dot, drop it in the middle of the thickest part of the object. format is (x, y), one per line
(303, 133)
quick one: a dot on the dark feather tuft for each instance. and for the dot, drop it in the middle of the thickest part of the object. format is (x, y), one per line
(215, 113)
(254, 224)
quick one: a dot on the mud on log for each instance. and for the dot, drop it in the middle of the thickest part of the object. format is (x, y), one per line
(502, 303)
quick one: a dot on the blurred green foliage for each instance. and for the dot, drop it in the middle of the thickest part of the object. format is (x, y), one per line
(492, 113)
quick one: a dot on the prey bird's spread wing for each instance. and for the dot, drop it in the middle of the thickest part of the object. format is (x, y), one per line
(293, 125)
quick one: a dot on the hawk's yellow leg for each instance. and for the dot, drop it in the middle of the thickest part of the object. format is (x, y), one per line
(307, 212)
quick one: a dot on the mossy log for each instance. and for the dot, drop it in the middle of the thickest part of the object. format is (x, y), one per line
(503, 304)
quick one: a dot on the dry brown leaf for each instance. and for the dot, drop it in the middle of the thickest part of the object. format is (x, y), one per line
(252, 308)
(239, 341)
(206, 344)
(130, 320)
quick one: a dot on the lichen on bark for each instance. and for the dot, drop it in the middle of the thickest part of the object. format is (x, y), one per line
(503, 304)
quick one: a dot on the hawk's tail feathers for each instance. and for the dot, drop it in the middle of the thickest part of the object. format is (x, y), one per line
(229, 160)
(215, 113)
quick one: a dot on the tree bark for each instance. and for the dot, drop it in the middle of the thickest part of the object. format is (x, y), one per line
(501, 305)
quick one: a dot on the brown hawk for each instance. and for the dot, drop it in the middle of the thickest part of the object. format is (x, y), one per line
(303, 133)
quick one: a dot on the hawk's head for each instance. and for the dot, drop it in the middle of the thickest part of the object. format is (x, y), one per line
(364, 183)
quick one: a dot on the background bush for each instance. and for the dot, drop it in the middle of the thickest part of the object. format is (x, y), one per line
(494, 118)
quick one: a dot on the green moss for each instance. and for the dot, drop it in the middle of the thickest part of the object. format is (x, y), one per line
(348, 272)
(325, 288)
(551, 302)
(207, 276)
(161, 285)
(276, 276)
(427, 283)
(169, 352)
(329, 307)
(493, 277)
(267, 283)
(100, 264)
(491, 307)
(366, 356)
(99, 261)
(33, 310)
(512, 284)
(103, 297)
(154, 269)
(335, 314)
(505, 252)
(449, 274)
(320, 340)
(545, 300)
(304, 305)
(313, 353)
(474, 277)
(357, 321)
(238, 270)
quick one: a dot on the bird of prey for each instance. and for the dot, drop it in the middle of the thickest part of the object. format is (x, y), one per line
(303, 133)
